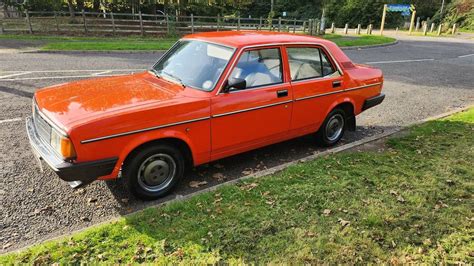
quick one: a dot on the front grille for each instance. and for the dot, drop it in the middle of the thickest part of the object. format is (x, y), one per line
(42, 127)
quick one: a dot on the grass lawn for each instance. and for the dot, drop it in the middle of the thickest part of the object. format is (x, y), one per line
(411, 202)
(148, 43)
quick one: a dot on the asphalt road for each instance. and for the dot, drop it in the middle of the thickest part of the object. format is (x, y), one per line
(422, 79)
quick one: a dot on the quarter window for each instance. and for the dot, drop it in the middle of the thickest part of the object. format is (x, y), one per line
(308, 62)
(259, 67)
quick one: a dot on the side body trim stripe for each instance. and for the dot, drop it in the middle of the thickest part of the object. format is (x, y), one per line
(143, 130)
(251, 109)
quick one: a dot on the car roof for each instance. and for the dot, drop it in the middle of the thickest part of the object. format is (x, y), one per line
(238, 39)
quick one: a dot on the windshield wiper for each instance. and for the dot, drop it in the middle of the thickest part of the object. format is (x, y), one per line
(175, 78)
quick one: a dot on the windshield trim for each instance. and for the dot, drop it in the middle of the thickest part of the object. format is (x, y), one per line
(234, 49)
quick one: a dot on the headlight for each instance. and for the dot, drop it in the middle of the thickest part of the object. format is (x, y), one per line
(62, 145)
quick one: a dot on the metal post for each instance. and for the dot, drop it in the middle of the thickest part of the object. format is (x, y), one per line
(358, 29)
(238, 23)
(218, 21)
(2, 30)
(417, 26)
(454, 29)
(383, 19)
(84, 20)
(304, 26)
(167, 24)
(310, 27)
(192, 23)
(56, 20)
(28, 22)
(279, 24)
(425, 29)
(318, 26)
(333, 27)
(440, 27)
(346, 28)
(260, 24)
(142, 31)
(432, 27)
(294, 26)
(113, 21)
(412, 21)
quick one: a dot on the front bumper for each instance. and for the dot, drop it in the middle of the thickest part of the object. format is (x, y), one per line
(78, 173)
(371, 102)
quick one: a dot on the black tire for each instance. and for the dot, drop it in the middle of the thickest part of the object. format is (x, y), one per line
(153, 171)
(324, 136)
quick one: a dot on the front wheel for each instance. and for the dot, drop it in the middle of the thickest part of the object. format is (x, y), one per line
(153, 171)
(332, 129)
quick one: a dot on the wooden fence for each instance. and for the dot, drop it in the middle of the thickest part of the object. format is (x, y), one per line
(93, 23)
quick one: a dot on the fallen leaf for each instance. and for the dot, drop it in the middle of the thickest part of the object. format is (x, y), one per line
(249, 187)
(91, 200)
(393, 192)
(31, 190)
(400, 199)
(343, 222)
(326, 212)
(219, 176)
(247, 172)
(196, 184)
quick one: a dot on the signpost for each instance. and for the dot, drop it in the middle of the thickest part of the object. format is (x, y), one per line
(405, 9)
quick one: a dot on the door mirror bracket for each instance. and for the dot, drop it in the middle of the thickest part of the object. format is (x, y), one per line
(235, 84)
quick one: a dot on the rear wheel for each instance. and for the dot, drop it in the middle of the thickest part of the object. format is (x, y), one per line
(332, 129)
(153, 171)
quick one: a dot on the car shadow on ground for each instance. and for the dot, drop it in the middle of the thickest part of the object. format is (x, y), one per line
(236, 166)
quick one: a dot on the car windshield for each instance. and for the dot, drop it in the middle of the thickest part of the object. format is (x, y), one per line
(194, 63)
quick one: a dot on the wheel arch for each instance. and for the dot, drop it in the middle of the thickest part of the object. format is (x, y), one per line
(348, 106)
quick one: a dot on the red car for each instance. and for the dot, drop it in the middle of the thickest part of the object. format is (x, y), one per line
(212, 95)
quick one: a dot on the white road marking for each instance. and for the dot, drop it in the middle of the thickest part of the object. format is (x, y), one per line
(101, 73)
(11, 120)
(400, 61)
(71, 70)
(13, 75)
(61, 77)
(467, 55)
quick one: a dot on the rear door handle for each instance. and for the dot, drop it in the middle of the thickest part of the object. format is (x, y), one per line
(336, 84)
(282, 93)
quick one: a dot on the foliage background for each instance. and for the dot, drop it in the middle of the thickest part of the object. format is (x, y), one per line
(338, 11)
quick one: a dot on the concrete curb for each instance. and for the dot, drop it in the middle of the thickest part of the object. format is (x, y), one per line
(369, 46)
(259, 174)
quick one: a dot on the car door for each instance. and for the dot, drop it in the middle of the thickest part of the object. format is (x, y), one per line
(315, 82)
(259, 114)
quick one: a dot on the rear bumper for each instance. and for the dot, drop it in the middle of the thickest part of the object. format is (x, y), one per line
(371, 102)
(83, 173)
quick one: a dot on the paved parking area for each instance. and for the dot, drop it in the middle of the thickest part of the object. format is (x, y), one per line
(422, 79)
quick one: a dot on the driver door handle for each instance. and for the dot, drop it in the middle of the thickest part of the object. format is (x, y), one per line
(282, 93)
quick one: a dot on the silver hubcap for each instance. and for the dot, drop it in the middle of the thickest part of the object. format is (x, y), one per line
(334, 127)
(156, 172)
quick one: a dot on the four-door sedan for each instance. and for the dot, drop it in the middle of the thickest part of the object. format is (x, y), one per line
(212, 95)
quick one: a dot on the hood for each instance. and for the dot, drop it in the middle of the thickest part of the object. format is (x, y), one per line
(77, 102)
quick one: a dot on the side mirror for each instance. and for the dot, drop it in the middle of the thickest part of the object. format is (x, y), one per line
(235, 84)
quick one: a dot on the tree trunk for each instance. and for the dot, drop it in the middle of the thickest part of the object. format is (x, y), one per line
(80, 4)
(96, 5)
(70, 5)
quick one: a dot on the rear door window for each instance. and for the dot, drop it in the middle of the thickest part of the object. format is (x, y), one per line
(308, 62)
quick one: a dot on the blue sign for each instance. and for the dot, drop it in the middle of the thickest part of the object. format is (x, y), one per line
(400, 8)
